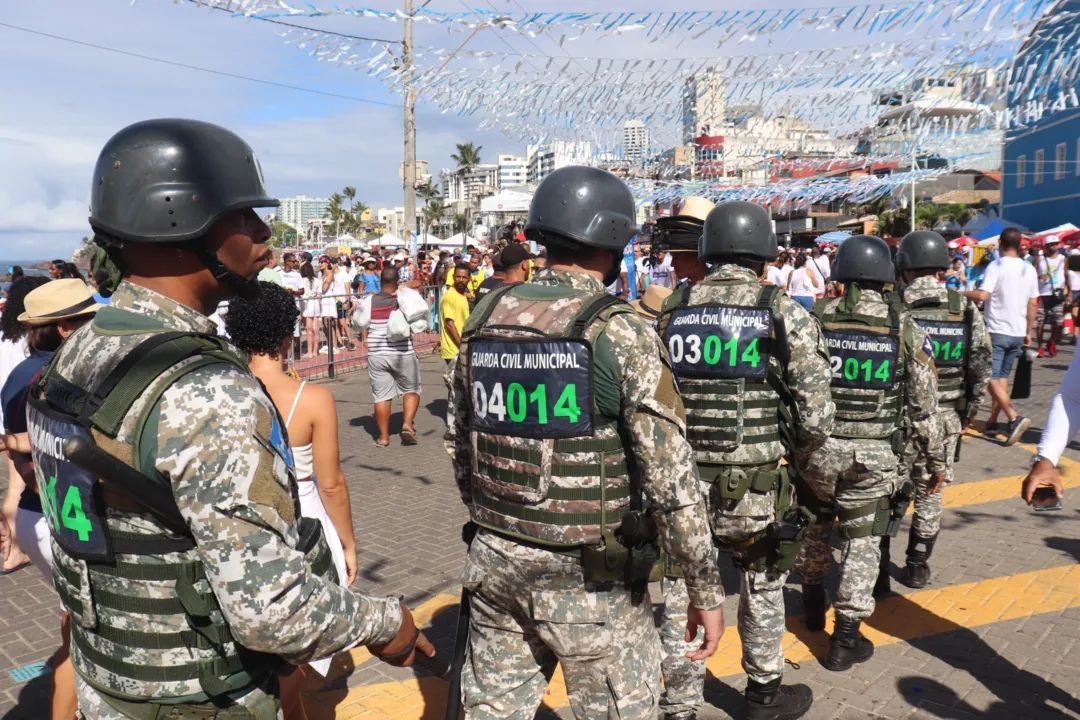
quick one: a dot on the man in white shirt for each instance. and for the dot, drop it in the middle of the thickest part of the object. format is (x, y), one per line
(1052, 293)
(1010, 293)
(294, 283)
(661, 273)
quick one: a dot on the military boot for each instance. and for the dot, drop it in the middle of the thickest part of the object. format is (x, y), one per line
(814, 603)
(881, 587)
(917, 570)
(847, 646)
(773, 701)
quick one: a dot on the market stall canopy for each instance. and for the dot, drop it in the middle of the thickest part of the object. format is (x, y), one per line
(933, 107)
(506, 202)
(833, 238)
(1067, 234)
(995, 228)
(390, 240)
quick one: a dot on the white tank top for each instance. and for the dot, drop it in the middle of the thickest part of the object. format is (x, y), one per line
(303, 457)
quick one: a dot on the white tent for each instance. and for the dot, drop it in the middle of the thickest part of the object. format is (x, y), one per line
(507, 201)
(389, 240)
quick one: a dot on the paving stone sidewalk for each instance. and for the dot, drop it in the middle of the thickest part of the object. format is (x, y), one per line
(408, 517)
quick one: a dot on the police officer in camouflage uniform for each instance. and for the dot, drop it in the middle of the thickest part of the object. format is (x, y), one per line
(754, 378)
(963, 356)
(684, 679)
(883, 383)
(565, 427)
(164, 466)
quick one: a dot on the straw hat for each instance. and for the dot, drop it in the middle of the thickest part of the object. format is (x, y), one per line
(650, 304)
(58, 300)
(694, 208)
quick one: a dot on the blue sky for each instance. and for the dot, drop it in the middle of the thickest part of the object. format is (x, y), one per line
(63, 100)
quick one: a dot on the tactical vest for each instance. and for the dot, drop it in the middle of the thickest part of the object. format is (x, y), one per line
(868, 372)
(949, 326)
(547, 467)
(736, 412)
(140, 631)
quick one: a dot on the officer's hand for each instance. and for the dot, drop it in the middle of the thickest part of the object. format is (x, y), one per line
(350, 565)
(936, 483)
(712, 621)
(1044, 474)
(401, 651)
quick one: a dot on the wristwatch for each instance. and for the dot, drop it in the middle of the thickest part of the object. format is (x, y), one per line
(1037, 458)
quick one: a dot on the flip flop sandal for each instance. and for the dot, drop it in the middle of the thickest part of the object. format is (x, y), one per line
(379, 444)
(16, 569)
(408, 437)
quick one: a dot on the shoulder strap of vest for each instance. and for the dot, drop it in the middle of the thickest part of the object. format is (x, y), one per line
(107, 404)
(590, 312)
(485, 308)
(819, 308)
(956, 303)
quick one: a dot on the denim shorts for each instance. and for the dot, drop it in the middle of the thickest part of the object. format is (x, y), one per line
(1006, 349)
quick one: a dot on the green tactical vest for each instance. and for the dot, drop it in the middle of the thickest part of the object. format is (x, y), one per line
(737, 406)
(152, 629)
(868, 371)
(547, 467)
(949, 327)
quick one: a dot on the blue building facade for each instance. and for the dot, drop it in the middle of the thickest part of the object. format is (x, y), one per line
(1040, 184)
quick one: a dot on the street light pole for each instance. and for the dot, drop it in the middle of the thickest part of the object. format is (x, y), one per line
(410, 127)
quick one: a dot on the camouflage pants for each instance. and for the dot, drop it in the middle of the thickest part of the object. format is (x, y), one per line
(92, 706)
(848, 473)
(927, 519)
(531, 610)
(684, 679)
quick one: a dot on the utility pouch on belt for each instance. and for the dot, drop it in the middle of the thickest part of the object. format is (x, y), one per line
(606, 561)
(898, 507)
(886, 514)
(777, 548)
(316, 549)
(899, 442)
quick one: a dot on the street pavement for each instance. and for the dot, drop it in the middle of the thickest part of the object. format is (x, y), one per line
(991, 637)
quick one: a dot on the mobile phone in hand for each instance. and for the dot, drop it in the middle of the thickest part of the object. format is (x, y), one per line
(1045, 499)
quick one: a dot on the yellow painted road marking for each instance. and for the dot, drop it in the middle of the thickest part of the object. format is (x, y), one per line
(896, 619)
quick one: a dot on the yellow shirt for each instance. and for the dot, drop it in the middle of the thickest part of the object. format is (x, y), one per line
(474, 279)
(453, 306)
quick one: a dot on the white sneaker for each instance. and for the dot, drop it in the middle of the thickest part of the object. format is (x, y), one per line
(323, 350)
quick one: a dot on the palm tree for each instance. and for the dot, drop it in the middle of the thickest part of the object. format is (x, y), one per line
(461, 224)
(433, 212)
(334, 211)
(427, 192)
(357, 212)
(467, 157)
(350, 192)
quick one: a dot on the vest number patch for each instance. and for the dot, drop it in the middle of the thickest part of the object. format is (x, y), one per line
(719, 341)
(949, 340)
(67, 491)
(863, 361)
(531, 388)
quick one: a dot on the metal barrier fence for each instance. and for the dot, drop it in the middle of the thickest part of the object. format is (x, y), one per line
(324, 342)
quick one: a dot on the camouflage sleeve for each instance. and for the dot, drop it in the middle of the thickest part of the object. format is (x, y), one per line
(980, 360)
(921, 400)
(654, 424)
(217, 435)
(809, 375)
(457, 430)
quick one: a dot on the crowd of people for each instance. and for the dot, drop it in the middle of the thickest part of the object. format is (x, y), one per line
(196, 522)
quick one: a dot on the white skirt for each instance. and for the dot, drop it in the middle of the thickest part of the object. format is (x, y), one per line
(311, 307)
(311, 506)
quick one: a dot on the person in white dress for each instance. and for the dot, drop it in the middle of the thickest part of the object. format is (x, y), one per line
(327, 303)
(312, 301)
(262, 327)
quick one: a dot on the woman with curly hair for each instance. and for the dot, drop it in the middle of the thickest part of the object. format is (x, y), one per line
(13, 350)
(263, 327)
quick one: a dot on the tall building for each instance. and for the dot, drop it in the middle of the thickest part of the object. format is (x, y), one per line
(636, 140)
(297, 211)
(469, 187)
(542, 160)
(1040, 177)
(511, 171)
(704, 105)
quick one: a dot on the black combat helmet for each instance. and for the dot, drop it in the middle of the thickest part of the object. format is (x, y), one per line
(162, 181)
(923, 250)
(738, 229)
(580, 205)
(863, 258)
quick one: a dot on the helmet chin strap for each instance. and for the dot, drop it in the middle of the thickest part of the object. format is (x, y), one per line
(616, 268)
(247, 288)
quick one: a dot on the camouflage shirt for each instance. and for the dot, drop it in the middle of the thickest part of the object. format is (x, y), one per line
(920, 376)
(651, 415)
(234, 490)
(981, 352)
